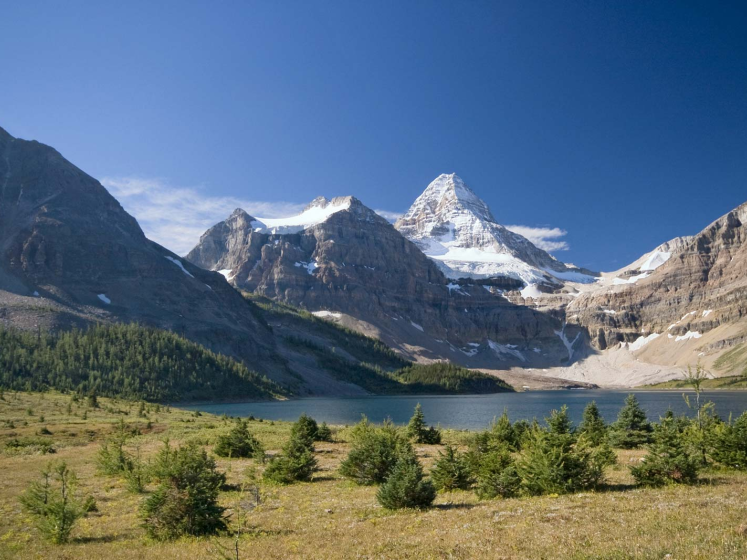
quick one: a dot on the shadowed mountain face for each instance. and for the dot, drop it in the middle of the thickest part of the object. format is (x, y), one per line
(340, 260)
(70, 255)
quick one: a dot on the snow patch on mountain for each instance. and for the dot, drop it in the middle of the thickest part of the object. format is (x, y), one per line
(315, 213)
(178, 263)
(456, 229)
(567, 343)
(502, 350)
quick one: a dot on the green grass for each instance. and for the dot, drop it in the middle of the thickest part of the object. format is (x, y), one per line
(332, 518)
(735, 360)
(732, 382)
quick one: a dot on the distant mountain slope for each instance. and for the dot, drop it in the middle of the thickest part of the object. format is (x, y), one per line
(362, 363)
(691, 307)
(456, 229)
(341, 260)
(70, 255)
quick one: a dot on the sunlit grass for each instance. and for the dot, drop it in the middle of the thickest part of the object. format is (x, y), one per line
(332, 518)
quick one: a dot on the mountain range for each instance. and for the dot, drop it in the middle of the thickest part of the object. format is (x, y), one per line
(446, 282)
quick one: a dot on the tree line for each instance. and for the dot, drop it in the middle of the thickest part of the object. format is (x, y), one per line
(127, 361)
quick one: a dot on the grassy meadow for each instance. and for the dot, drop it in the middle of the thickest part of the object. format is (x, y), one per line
(333, 518)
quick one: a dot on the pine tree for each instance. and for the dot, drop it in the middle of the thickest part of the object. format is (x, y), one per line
(186, 500)
(503, 433)
(632, 429)
(592, 425)
(560, 426)
(238, 443)
(306, 429)
(496, 475)
(730, 443)
(418, 430)
(296, 464)
(54, 506)
(451, 471)
(405, 487)
(374, 453)
(668, 460)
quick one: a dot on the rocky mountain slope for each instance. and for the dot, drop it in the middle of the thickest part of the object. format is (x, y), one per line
(687, 301)
(342, 261)
(70, 255)
(456, 229)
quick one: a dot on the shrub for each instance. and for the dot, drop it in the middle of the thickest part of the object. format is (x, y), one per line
(451, 471)
(296, 464)
(419, 432)
(496, 475)
(405, 486)
(668, 460)
(186, 500)
(730, 443)
(52, 502)
(238, 443)
(374, 453)
(632, 429)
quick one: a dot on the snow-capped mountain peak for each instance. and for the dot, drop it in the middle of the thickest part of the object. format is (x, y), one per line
(455, 228)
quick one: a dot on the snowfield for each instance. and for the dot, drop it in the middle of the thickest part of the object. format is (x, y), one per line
(314, 214)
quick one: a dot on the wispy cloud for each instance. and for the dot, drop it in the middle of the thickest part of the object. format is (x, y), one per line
(390, 216)
(175, 216)
(546, 238)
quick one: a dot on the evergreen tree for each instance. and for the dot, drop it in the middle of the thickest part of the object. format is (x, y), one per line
(296, 464)
(632, 429)
(503, 433)
(305, 429)
(418, 430)
(53, 504)
(496, 475)
(730, 443)
(560, 427)
(405, 486)
(451, 471)
(123, 360)
(668, 459)
(238, 443)
(592, 425)
(324, 433)
(553, 463)
(374, 453)
(186, 500)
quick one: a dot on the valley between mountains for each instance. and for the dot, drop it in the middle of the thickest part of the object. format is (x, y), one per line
(290, 298)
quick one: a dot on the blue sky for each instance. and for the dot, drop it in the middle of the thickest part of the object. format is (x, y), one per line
(622, 123)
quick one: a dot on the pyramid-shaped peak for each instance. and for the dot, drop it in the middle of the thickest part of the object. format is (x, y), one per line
(448, 193)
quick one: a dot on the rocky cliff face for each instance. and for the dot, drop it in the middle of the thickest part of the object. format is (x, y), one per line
(70, 254)
(688, 301)
(456, 229)
(342, 261)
